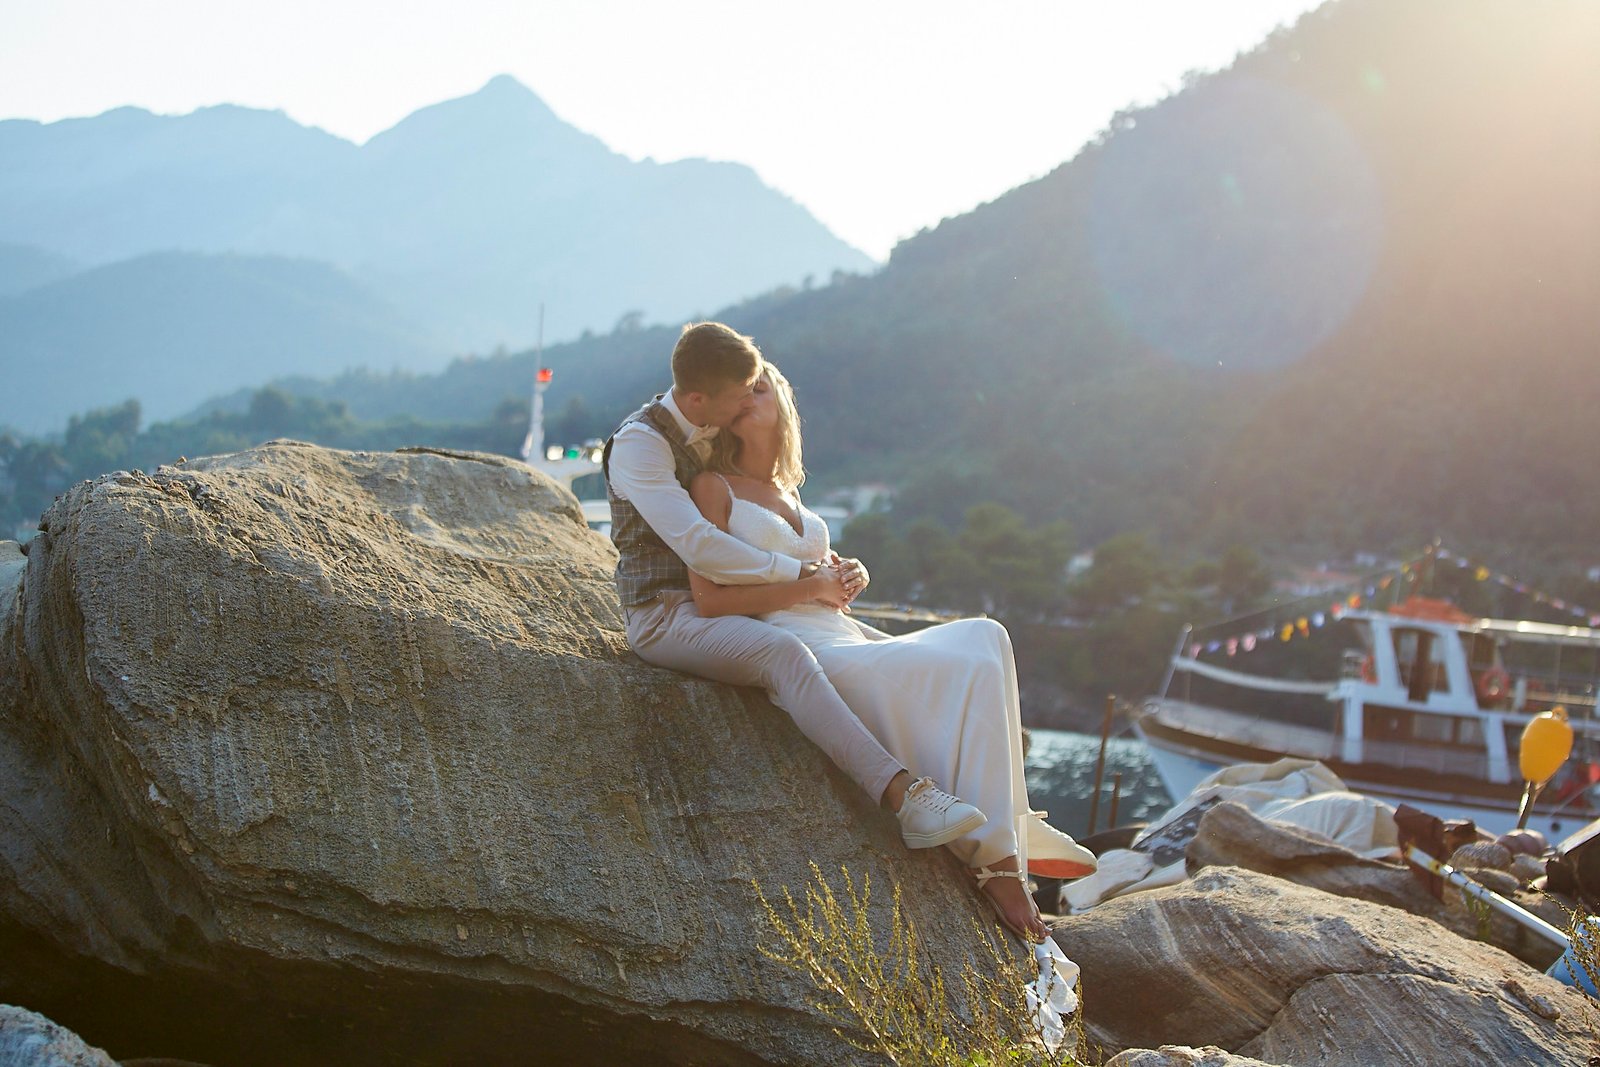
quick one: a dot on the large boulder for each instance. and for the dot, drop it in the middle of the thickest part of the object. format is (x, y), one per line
(313, 756)
(1286, 974)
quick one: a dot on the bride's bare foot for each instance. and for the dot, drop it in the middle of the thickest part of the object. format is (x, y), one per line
(1009, 894)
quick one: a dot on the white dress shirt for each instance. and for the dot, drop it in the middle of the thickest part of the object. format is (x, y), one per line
(643, 473)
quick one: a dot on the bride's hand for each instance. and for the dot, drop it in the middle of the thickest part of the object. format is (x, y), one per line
(855, 574)
(829, 588)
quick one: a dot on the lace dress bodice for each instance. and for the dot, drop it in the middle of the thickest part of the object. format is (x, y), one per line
(766, 529)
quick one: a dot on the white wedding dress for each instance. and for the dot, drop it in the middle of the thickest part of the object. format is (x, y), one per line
(942, 700)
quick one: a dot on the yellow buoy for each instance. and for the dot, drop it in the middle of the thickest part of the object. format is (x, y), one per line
(1546, 744)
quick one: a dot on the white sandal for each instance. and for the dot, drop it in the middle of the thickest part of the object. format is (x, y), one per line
(984, 875)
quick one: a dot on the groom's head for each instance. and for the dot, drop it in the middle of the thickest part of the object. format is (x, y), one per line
(714, 369)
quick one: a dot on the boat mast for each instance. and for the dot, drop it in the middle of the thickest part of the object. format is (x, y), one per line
(1172, 661)
(533, 444)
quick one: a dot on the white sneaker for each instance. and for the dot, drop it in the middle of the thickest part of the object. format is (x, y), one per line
(1053, 854)
(929, 816)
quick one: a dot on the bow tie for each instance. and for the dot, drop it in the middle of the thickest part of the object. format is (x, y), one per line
(699, 442)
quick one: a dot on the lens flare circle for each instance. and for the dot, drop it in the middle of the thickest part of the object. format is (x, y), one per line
(1235, 227)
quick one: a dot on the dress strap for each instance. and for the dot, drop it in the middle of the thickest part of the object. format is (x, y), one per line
(727, 485)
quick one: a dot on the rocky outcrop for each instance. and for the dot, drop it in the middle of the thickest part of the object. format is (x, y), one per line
(345, 754)
(1286, 974)
(28, 1039)
(1232, 836)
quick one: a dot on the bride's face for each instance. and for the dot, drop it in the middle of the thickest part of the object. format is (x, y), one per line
(760, 421)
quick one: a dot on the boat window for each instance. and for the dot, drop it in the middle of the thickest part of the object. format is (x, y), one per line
(1398, 724)
(1439, 729)
(1409, 643)
(1479, 649)
(1385, 724)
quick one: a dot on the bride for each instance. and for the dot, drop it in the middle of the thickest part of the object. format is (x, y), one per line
(943, 699)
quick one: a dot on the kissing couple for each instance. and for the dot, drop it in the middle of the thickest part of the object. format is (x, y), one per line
(724, 573)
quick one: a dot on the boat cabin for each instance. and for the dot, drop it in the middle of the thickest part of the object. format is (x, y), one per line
(1428, 707)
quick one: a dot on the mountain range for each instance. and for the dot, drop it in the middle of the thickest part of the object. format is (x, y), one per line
(447, 233)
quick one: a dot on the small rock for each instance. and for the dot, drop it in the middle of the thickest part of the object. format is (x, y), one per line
(1524, 842)
(1182, 1056)
(1481, 854)
(28, 1039)
(1526, 868)
(1540, 1006)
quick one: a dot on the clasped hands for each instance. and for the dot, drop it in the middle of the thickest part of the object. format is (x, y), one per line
(840, 581)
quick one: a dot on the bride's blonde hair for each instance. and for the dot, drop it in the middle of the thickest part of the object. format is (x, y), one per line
(791, 473)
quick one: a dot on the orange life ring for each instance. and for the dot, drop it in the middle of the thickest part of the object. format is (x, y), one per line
(1493, 684)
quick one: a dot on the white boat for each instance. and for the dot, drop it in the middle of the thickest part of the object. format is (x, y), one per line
(1428, 710)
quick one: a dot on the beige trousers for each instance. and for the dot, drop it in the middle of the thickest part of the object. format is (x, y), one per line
(669, 632)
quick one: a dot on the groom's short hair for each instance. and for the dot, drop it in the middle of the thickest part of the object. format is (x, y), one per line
(709, 356)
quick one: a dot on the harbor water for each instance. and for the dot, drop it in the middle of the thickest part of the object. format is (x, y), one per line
(1060, 770)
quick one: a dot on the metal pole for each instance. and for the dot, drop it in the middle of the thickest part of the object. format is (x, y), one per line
(1100, 764)
(1116, 798)
(1488, 896)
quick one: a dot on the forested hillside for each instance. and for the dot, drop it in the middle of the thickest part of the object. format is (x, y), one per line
(1341, 295)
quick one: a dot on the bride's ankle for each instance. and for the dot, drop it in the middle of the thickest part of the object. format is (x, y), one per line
(1008, 864)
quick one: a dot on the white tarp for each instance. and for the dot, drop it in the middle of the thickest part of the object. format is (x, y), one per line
(1296, 792)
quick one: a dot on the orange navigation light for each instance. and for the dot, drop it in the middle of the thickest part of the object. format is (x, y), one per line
(545, 374)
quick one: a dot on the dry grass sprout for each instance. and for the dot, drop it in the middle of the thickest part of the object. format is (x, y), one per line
(884, 995)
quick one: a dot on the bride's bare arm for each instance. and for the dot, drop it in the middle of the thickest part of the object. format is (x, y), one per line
(825, 585)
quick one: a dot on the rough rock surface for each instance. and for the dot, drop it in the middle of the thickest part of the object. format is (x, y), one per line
(1291, 975)
(28, 1039)
(311, 756)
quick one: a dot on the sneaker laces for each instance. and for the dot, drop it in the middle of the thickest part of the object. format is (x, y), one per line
(928, 795)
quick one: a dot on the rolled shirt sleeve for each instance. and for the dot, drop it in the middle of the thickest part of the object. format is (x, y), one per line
(642, 473)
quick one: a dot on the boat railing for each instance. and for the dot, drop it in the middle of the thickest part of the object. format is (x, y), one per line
(1258, 682)
(1534, 690)
(1253, 730)
(1310, 742)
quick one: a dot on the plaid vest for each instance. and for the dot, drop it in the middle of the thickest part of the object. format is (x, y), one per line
(645, 565)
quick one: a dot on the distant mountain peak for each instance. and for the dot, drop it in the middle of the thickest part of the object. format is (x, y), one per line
(505, 83)
(503, 109)
(505, 97)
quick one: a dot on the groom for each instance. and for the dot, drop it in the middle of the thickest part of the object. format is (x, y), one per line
(660, 534)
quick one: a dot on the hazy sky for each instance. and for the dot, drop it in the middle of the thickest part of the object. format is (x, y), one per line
(881, 116)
